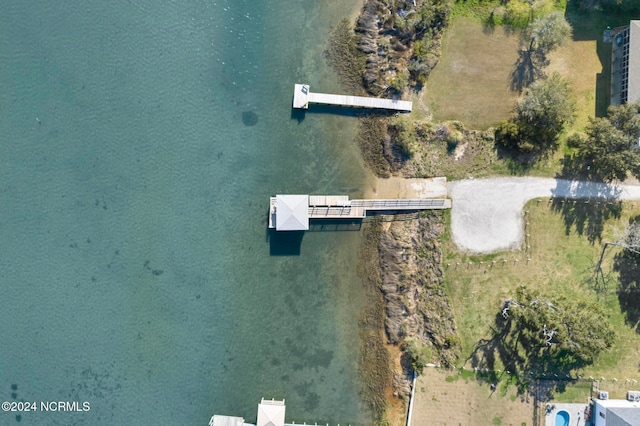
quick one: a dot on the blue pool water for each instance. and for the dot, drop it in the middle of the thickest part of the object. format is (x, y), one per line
(562, 418)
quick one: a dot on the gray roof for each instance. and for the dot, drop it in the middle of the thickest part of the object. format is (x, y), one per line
(634, 62)
(292, 212)
(623, 416)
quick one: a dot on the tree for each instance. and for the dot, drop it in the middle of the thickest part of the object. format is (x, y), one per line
(545, 35)
(507, 134)
(630, 243)
(540, 38)
(552, 334)
(431, 14)
(424, 26)
(617, 5)
(419, 354)
(625, 117)
(400, 81)
(609, 149)
(403, 134)
(541, 114)
(632, 238)
(627, 265)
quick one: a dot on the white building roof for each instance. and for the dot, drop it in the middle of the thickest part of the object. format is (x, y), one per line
(611, 403)
(292, 212)
(634, 62)
(271, 413)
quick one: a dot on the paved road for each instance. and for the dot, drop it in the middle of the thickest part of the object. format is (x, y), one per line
(487, 213)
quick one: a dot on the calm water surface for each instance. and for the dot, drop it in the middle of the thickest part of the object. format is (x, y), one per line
(139, 143)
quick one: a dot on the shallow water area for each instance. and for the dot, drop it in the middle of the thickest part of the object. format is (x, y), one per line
(141, 142)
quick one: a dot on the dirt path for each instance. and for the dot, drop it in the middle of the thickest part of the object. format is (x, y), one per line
(487, 213)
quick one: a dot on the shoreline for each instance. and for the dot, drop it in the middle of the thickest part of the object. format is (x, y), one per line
(384, 365)
(401, 246)
(401, 187)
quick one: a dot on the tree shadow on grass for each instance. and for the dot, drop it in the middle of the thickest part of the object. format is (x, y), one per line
(489, 25)
(586, 216)
(518, 167)
(525, 366)
(574, 167)
(589, 25)
(627, 264)
(528, 68)
(488, 351)
(584, 213)
(518, 163)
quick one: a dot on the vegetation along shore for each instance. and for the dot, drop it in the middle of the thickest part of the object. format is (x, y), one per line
(503, 88)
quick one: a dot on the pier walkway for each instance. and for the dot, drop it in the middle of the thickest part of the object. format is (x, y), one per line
(293, 212)
(302, 97)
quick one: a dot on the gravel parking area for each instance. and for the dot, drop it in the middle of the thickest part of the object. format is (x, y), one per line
(487, 213)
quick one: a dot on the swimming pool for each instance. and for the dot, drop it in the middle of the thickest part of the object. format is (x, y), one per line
(562, 418)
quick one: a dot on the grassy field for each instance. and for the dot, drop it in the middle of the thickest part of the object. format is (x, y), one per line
(564, 241)
(588, 27)
(578, 62)
(446, 397)
(562, 260)
(471, 81)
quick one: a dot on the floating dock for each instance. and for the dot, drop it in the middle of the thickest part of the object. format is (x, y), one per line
(293, 212)
(302, 97)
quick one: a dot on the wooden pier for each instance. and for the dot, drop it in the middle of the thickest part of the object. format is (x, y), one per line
(302, 97)
(293, 212)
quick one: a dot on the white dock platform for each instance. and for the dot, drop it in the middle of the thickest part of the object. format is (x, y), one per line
(302, 97)
(296, 210)
(270, 413)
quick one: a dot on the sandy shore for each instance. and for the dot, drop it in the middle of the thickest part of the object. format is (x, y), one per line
(396, 187)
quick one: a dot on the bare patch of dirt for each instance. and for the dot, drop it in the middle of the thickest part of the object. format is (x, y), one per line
(458, 153)
(443, 397)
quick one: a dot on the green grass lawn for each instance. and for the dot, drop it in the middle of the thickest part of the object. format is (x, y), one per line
(471, 81)
(562, 263)
(471, 84)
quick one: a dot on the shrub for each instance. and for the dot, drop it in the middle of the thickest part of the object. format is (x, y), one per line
(400, 81)
(518, 13)
(419, 354)
(404, 134)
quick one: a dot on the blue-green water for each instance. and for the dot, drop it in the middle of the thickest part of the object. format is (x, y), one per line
(135, 271)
